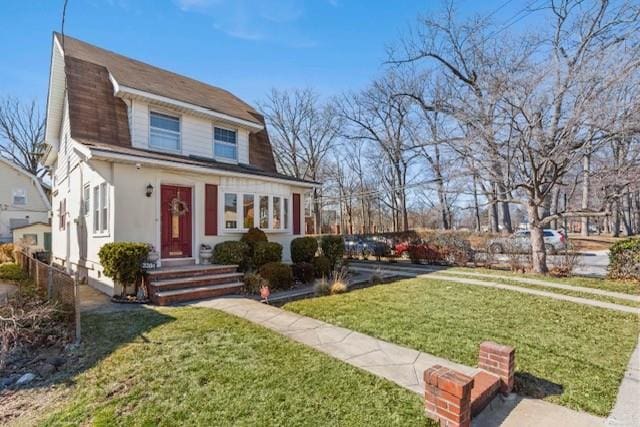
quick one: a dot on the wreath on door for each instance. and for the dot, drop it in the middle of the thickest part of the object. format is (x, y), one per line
(178, 207)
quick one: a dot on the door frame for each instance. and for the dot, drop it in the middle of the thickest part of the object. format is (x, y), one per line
(160, 184)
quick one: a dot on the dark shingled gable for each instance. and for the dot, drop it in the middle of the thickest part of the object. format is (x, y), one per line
(97, 116)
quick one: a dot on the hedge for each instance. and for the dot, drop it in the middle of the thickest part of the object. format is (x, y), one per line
(303, 272)
(624, 259)
(332, 248)
(303, 249)
(232, 252)
(278, 275)
(321, 266)
(122, 261)
(265, 252)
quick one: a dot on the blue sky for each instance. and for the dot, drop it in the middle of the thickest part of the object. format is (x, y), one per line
(244, 46)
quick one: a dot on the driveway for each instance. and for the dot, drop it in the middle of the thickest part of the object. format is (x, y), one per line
(591, 263)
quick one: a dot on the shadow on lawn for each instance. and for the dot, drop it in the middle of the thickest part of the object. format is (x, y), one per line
(529, 385)
(102, 334)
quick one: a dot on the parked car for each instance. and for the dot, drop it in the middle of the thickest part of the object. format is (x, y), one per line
(520, 241)
(356, 246)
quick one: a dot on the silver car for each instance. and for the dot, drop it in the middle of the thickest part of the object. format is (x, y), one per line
(520, 242)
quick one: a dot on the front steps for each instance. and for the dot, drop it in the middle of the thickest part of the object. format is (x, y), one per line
(188, 282)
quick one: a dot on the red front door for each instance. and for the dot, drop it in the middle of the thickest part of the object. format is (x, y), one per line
(175, 221)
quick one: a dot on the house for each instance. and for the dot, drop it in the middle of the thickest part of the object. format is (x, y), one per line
(37, 236)
(22, 199)
(141, 154)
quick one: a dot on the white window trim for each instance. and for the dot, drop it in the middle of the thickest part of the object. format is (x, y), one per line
(256, 215)
(215, 141)
(170, 114)
(99, 204)
(86, 201)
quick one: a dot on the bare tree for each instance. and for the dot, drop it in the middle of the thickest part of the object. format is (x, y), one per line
(22, 134)
(303, 131)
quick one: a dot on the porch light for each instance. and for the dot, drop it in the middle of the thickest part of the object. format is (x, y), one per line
(149, 190)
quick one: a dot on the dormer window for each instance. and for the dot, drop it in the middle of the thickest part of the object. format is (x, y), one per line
(225, 142)
(164, 132)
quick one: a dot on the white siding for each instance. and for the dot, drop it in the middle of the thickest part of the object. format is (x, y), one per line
(196, 133)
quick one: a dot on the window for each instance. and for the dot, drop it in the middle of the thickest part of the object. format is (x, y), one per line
(86, 199)
(277, 213)
(96, 209)
(285, 215)
(62, 213)
(164, 131)
(230, 211)
(19, 197)
(264, 211)
(104, 207)
(548, 234)
(225, 143)
(30, 239)
(248, 212)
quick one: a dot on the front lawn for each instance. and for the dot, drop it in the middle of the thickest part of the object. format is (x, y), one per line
(188, 366)
(567, 353)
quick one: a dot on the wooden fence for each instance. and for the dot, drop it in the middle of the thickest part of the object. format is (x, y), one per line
(56, 284)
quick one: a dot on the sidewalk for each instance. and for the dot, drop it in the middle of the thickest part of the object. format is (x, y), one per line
(399, 364)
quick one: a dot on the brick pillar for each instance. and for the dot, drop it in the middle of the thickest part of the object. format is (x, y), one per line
(499, 360)
(447, 396)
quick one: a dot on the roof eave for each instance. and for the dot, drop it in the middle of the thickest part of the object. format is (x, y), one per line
(100, 154)
(130, 92)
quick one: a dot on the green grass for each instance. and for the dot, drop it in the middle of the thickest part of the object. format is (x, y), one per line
(627, 287)
(11, 272)
(570, 292)
(567, 353)
(188, 366)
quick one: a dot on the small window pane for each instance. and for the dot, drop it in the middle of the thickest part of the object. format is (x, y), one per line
(96, 209)
(19, 197)
(224, 135)
(264, 212)
(248, 211)
(230, 211)
(30, 239)
(104, 221)
(225, 150)
(86, 202)
(276, 213)
(285, 206)
(162, 121)
(165, 132)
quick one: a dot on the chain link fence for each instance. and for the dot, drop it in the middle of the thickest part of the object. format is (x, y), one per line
(56, 284)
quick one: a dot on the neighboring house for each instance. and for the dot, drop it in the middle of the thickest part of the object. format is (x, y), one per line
(22, 199)
(141, 154)
(37, 236)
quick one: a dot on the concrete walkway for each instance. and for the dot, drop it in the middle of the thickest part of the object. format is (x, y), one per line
(398, 364)
(626, 411)
(475, 282)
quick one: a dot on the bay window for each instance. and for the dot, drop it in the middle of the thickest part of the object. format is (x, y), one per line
(230, 211)
(242, 211)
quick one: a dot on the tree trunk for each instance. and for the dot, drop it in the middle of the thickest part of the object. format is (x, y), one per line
(555, 201)
(626, 214)
(615, 222)
(538, 253)
(476, 205)
(506, 212)
(586, 168)
(317, 212)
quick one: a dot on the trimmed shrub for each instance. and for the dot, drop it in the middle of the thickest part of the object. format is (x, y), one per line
(253, 282)
(265, 252)
(303, 272)
(303, 249)
(332, 248)
(231, 252)
(278, 275)
(624, 259)
(6, 252)
(253, 236)
(122, 261)
(321, 266)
